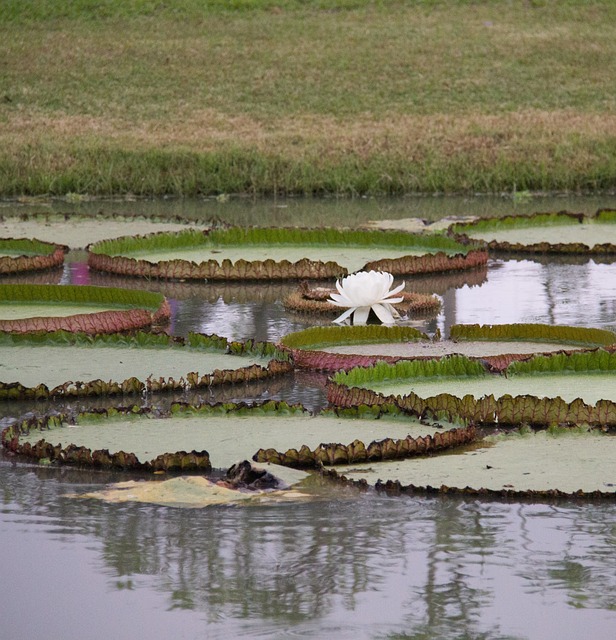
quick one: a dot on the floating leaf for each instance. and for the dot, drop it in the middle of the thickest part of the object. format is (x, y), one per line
(563, 219)
(124, 255)
(122, 309)
(19, 254)
(105, 356)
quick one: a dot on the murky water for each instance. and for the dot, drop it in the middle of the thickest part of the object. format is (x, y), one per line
(354, 566)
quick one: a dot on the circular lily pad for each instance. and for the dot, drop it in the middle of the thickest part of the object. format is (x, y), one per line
(546, 390)
(75, 365)
(561, 232)
(220, 435)
(72, 228)
(310, 346)
(568, 462)
(21, 254)
(92, 310)
(336, 348)
(274, 254)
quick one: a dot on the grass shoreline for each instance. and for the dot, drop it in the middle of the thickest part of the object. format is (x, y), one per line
(347, 98)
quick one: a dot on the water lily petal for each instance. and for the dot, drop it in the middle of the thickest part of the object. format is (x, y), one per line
(385, 314)
(364, 290)
(361, 315)
(340, 300)
(390, 300)
(340, 319)
(396, 290)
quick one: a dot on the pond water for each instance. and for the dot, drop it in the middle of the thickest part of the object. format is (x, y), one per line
(350, 566)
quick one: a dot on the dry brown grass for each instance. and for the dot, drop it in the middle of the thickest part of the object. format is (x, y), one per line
(409, 136)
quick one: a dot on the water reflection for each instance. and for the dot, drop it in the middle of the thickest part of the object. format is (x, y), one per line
(314, 211)
(358, 566)
(568, 292)
(529, 291)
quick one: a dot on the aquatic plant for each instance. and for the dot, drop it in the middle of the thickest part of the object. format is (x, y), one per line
(20, 254)
(534, 332)
(101, 438)
(307, 346)
(80, 308)
(125, 255)
(353, 388)
(317, 301)
(367, 291)
(331, 348)
(164, 363)
(503, 226)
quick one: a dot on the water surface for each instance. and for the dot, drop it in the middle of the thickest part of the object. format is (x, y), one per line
(354, 566)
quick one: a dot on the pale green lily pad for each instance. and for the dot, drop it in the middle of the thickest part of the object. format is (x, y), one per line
(285, 253)
(590, 387)
(526, 391)
(77, 230)
(227, 438)
(350, 258)
(589, 234)
(447, 347)
(554, 232)
(64, 364)
(336, 348)
(31, 366)
(567, 462)
(12, 311)
(39, 307)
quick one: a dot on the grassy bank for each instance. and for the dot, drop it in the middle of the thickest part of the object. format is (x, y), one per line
(345, 97)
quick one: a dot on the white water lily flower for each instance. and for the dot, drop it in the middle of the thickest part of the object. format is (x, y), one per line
(367, 290)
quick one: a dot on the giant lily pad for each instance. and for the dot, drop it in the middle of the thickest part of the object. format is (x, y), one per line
(559, 389)
(335, 348)
(195, 438)
(568, 462)
(76, 230)
(561, 232)
(272, 254)
(21, 254)
(87, 309)
(73, 365)
(572, 462)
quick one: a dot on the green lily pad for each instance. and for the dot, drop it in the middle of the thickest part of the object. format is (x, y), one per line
(21, 254)
(221, 435)
(560, 389)
(33, 307)
(335, 348)
(72, 229)
(269, 254)
(569, 463)
(69, 365)
(560, 232)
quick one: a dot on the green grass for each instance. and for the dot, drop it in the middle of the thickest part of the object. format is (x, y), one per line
(205, 97)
